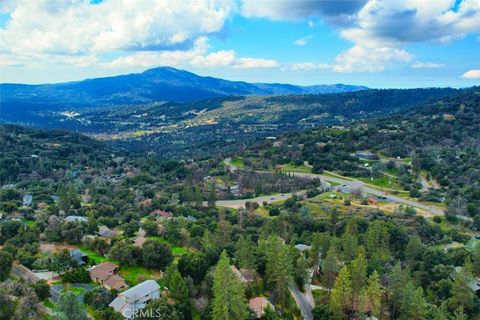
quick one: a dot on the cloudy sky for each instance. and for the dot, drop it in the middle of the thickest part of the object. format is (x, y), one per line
(378, 43)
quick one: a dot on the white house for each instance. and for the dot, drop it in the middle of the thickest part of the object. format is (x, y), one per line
(75, 219)
(135, 298)
(27, 200)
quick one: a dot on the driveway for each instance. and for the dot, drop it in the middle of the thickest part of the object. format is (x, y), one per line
(302, 302)
(240, 203)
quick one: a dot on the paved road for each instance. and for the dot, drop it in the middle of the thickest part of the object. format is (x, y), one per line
(370, 190)
(241, 202)
(351, 183)
(302, 303)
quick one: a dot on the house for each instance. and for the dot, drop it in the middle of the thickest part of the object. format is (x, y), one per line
(372, 201)
(27, 200)
(79, 257)
(130, 301)
(474, 282)
(365, 155)
(345, 189)
(161, 214)
(106, 275)
(302, 247)
(104, 231)
(245, 276)
(75, 219)
(258, 306)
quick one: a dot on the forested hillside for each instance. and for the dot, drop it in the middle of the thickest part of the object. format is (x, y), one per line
(438, 141)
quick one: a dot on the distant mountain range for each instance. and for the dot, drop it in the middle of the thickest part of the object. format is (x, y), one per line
(153, 85)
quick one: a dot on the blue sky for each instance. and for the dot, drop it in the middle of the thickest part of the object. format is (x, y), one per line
(381, 44)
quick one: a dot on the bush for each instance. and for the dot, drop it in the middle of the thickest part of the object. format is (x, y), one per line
(76, 276)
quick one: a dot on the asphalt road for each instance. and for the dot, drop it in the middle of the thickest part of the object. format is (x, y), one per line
(240, 203)
(359, 184)
(351, 183)
(302, 303)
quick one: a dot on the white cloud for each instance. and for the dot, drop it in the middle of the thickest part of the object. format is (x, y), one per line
(426, 65)
(309, 66)
(379, 30)
(78, 27)
(472, 74)
(197, 57)
(384, 28)
(302, 41)
(361, 58)
(333, 11)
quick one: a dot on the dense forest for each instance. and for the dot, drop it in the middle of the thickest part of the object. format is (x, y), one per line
(318, 253)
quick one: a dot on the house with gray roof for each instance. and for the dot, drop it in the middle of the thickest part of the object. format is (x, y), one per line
(136, 298)
(75, 219)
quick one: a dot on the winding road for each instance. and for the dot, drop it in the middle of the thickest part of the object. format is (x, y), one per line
(335, 179)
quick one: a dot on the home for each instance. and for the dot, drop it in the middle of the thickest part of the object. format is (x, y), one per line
(474, 282)
(78, 256)
(345, 189)
(160, 214)
(104, 231)
(372, 201)
(27, 200)
(106, 275)
(302, 247)
(75, 219)
(258, 306)
(245, 276)
(365, 155)
(130, 301)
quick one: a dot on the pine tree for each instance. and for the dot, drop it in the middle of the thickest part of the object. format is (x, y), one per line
(177, 287)
(374, 293)
(330, 267)
(462, 293)
(341, 297)
(412, 303)
(245, 253)
(228, 293)
(458, 314)
(358, 272)
(70, 307)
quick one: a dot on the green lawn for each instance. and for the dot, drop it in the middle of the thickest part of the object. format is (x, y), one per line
(135, 274)
(93, 257)
(294, 168)
(175, 249)
(28, 222)
(76, 291)
(383, 182)
(237, 162)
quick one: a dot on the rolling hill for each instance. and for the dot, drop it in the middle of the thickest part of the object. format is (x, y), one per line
(153, 85)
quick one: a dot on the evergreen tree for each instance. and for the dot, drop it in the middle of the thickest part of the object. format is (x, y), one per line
(69, 307)
(412, 303)
(177, 287)
(358, 272)
(462, 294)
(6, 261)
(228, 293)
(245, 253)
(374, 293)
(330, 267)
(341, 297)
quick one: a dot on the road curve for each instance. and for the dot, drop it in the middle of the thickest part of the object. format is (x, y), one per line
(351, 183)
(302, 303)
(240, 203)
